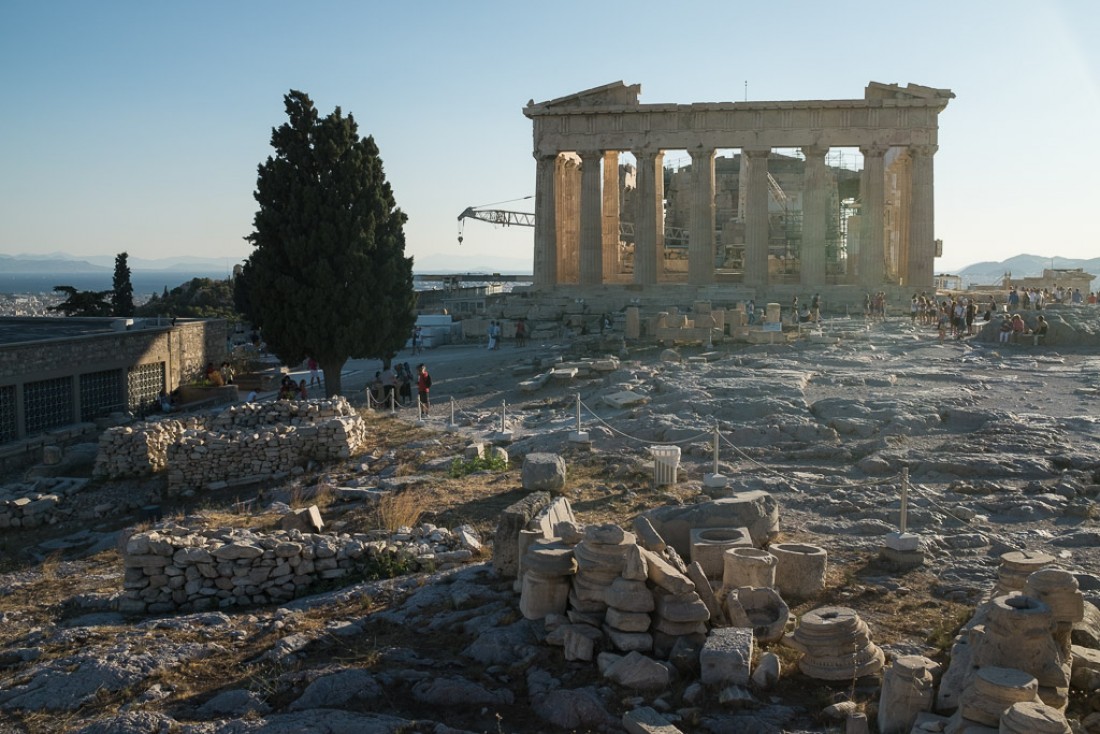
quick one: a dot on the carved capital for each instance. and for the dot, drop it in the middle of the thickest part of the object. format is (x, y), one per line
(590, 154)
(543, 157)
(701, 154)
(923, 150)
(646, 152)
(815, 151)
(876, 150)
(756, 153)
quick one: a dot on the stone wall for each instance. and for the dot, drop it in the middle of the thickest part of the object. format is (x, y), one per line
(245, 441)
(174, 568)
(184, 348)
(37, 503)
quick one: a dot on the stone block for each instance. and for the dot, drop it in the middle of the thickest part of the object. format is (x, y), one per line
(755, 510)
(304, 519)
(726, 657)
(543, 471)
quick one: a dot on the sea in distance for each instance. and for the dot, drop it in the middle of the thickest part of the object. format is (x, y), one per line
(145, 282)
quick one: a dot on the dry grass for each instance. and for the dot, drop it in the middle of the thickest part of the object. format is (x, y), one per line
(401, 510)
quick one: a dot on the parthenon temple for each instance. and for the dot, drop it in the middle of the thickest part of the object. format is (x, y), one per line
(798, 193)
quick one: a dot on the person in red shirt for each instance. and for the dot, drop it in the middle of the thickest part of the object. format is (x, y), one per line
(423, 386)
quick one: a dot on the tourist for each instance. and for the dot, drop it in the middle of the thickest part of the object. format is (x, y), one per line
(815, 308)
(314, 375)
(1006, 330)
(750, 309)
(521, 333)
(1019, 328)
(423, 387)
(303, 391)
(252, 395)
(389, 387)
(165, 402)
(404, 381)
(417, 340)
(227, 373)
(1040, 331)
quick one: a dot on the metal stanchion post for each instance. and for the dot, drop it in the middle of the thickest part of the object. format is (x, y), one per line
(715, 480)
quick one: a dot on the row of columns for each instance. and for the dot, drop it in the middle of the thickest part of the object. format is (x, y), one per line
(599, 217)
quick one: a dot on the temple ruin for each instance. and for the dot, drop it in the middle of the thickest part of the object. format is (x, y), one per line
(768, 194)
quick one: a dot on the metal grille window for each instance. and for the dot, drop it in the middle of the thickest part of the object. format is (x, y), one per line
(8, 427)
(101, 394)
(47, 404)
(144, 384)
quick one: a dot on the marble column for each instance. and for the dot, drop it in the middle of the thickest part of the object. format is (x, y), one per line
(649, 219)
(815, 198)
(591, 227)
(872, 183)
(922, 236)
(756, 216)
(567, 197)
(545, 270)
(701, 233)
(610, 223)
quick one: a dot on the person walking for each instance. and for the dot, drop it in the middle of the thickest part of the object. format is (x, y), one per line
(423, 387)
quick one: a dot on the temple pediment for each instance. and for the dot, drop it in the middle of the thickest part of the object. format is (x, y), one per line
(613, 94)
(878, 90)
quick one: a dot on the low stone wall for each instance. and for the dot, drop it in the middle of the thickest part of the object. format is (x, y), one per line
(245, 440)
(37, 503)
(204, 458)
(137, 450)
(174, 568)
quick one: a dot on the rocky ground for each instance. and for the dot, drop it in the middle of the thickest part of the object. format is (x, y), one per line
(1000, 443)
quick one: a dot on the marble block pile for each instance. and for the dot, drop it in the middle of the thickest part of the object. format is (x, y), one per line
(1016, 654)
(174, 568)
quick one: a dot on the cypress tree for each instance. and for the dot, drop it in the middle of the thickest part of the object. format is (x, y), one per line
(328, 277)
(122, 294)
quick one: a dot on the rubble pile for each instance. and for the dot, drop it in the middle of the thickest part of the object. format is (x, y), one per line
(36, 503)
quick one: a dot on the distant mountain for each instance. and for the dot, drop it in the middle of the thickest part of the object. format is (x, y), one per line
(471, 264)
(1023, 266)
(47, 264)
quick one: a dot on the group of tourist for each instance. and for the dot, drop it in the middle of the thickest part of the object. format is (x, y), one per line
(218, 376)
(290, 390)
(393, 386)
(1038, 297)
(874, 306)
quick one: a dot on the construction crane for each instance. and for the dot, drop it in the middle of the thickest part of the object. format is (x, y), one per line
(674, 236)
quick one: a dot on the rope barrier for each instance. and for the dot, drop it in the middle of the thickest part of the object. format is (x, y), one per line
(612, 428)
(922, 492)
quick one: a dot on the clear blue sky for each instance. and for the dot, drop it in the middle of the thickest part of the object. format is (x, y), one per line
(138, 126)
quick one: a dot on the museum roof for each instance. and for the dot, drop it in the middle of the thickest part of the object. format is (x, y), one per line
(22, 329)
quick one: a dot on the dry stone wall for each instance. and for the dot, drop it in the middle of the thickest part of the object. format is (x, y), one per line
(176, 568)
(249, 440)
(37, 503)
